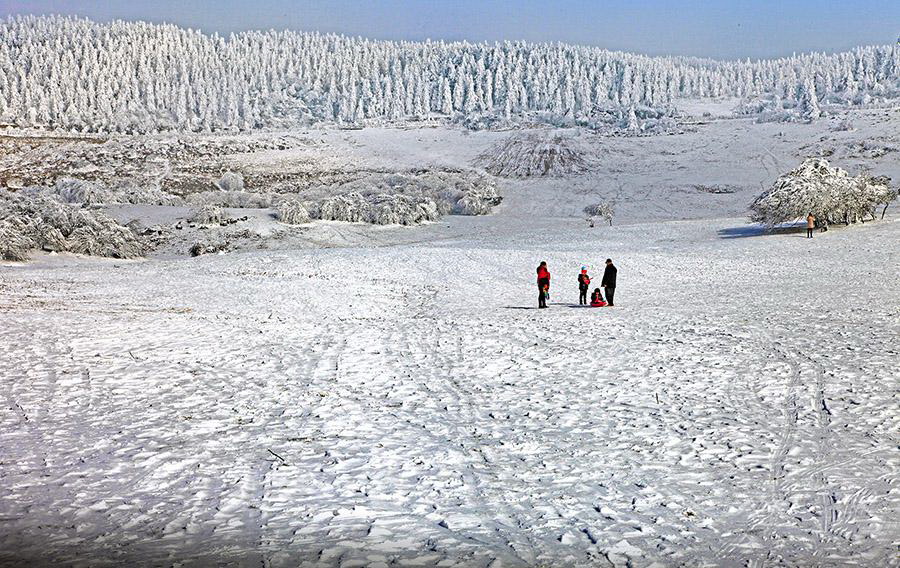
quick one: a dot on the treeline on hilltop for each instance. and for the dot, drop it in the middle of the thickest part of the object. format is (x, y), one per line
(75, 74)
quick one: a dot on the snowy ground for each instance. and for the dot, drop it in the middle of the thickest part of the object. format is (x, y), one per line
(398, 401)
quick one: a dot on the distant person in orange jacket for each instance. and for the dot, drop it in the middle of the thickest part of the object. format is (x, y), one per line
(810, 225)
(543, 282)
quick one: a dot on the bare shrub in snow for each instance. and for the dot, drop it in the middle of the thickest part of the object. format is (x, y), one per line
(600, 211)
(829, 193)
(231, 181)
(530, 154)
(715, 189)
(292, 212)
(208, 215)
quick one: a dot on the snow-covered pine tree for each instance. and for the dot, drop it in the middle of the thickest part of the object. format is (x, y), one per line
(59, 72)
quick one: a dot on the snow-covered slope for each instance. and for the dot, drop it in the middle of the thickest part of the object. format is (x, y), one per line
(404, 405)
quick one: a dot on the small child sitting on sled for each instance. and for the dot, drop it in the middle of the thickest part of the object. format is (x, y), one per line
(597, 299)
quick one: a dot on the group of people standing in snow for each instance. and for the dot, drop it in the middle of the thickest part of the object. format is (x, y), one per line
(584, 282)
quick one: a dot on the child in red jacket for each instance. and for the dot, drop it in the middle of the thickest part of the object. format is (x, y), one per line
(584, 281)
(597, 299)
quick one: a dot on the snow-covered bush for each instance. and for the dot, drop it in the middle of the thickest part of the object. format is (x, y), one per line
(535, 154)
(202, 247)
(350, 207)
(392, 198)
(603, 211)
(292, 212)
(829, 193)
(36, 218)
(105, 238)
(208, 215)
(123, 191)
(477, 200)
(233, 199)
(401, 210)
(80, 191)
(843, 125)
(15, 239)
(231, 181)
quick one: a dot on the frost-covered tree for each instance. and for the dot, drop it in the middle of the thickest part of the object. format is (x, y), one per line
(603, 211)
(829, 193)
(808, 102)
(70, 73)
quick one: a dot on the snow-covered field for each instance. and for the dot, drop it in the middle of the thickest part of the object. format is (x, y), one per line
(404, 404)
(351, 395)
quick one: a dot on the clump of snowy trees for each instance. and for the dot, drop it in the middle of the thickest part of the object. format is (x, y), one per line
(829, 193)
(393, 199)
(530, 155)
(292, 212)
(87, 192)
(74, 74)
(35, 218)
(603, 211)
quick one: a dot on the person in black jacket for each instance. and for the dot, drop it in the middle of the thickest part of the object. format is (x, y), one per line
(609, 282)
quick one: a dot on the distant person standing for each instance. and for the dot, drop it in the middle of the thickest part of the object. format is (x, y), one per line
(543, 282)
(609, 282)
(810, 225)
(584, 281)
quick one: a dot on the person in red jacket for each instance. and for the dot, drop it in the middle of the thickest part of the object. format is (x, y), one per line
(543, 282)
(597, 299)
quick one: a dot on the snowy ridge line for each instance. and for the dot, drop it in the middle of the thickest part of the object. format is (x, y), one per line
(75, 74)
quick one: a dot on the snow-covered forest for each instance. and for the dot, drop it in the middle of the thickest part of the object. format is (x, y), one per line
(75, 74)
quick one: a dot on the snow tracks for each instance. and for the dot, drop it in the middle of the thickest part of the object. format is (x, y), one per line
(397, 406)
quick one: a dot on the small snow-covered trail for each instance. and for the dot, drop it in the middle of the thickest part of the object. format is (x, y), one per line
(406, 406)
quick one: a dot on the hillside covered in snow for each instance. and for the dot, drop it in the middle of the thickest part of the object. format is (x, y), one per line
(75, 74)
(270, 300)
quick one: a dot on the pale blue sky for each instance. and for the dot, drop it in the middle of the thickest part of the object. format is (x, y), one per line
(721, 29)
